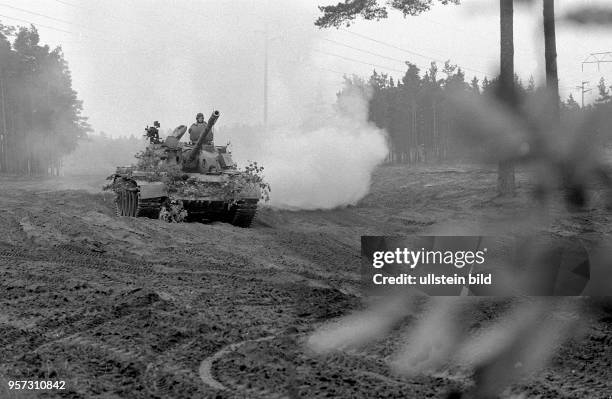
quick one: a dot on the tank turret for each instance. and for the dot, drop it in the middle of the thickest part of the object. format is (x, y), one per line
(192, 155)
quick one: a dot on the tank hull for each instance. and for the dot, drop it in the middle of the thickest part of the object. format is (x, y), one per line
(140, 197)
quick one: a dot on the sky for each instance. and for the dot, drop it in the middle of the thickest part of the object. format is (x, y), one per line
(136, 61)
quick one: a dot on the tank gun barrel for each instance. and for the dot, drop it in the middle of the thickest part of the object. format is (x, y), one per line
(198, 145)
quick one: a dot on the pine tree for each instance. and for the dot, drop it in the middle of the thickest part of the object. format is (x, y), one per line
(40, 114)
(474, 85)
(571, 104)
(409, 112)
(604, 93)
(487, 85)
(531, 87)
(344, 13)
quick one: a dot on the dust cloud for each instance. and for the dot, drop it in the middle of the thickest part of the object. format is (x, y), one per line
(322, 163)
(99, 154)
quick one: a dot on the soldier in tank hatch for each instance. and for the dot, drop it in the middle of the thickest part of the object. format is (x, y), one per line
(198, 128)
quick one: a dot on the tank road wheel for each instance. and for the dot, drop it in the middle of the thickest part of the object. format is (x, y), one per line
(127, 203)
(243, 213)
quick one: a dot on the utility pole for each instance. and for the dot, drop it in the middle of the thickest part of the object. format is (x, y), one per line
(266, 84)
(265, 104)
(3, 105)
(265, 74)
(583, 90)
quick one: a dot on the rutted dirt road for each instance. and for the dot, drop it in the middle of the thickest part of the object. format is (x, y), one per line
(138, 308)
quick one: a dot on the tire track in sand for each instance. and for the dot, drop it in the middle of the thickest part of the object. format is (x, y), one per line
(205, 369)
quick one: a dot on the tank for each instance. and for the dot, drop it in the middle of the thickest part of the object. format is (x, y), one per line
(200, 178)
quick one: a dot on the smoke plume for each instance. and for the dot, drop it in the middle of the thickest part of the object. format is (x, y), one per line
(324, 162)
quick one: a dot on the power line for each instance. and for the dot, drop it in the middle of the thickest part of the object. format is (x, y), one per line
(457, 29)
(470, 32)
(68, 4)
(361, 62)
(106, 38)
(390, 45)
(35, 13)
(410, 51)
(42, 15)
(331, 70)
(364, 51)
(110, 16)
(109, 39)
(327, 69)
(37, 24)
(90, 9)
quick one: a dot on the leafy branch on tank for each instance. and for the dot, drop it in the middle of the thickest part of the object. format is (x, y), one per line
(149, 161)
(173, 213)
(251, 176)
(116, 185)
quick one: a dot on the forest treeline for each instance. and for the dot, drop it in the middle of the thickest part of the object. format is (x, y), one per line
(422, 122)
(40, 114)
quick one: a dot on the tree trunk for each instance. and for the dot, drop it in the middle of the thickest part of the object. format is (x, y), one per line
(3, 134)
(550, 53)
(573, 189)
(505, 172)
(415, 134)
(436, 134)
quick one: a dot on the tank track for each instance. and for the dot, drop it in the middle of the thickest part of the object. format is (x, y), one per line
(243, 213)
(129, 203)
(126, 202)
(149, 207)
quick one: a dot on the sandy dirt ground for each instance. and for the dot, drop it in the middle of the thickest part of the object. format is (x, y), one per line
(138, 308)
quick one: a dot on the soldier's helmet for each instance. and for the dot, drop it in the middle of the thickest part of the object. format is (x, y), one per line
(156, 124)
(200, 115)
